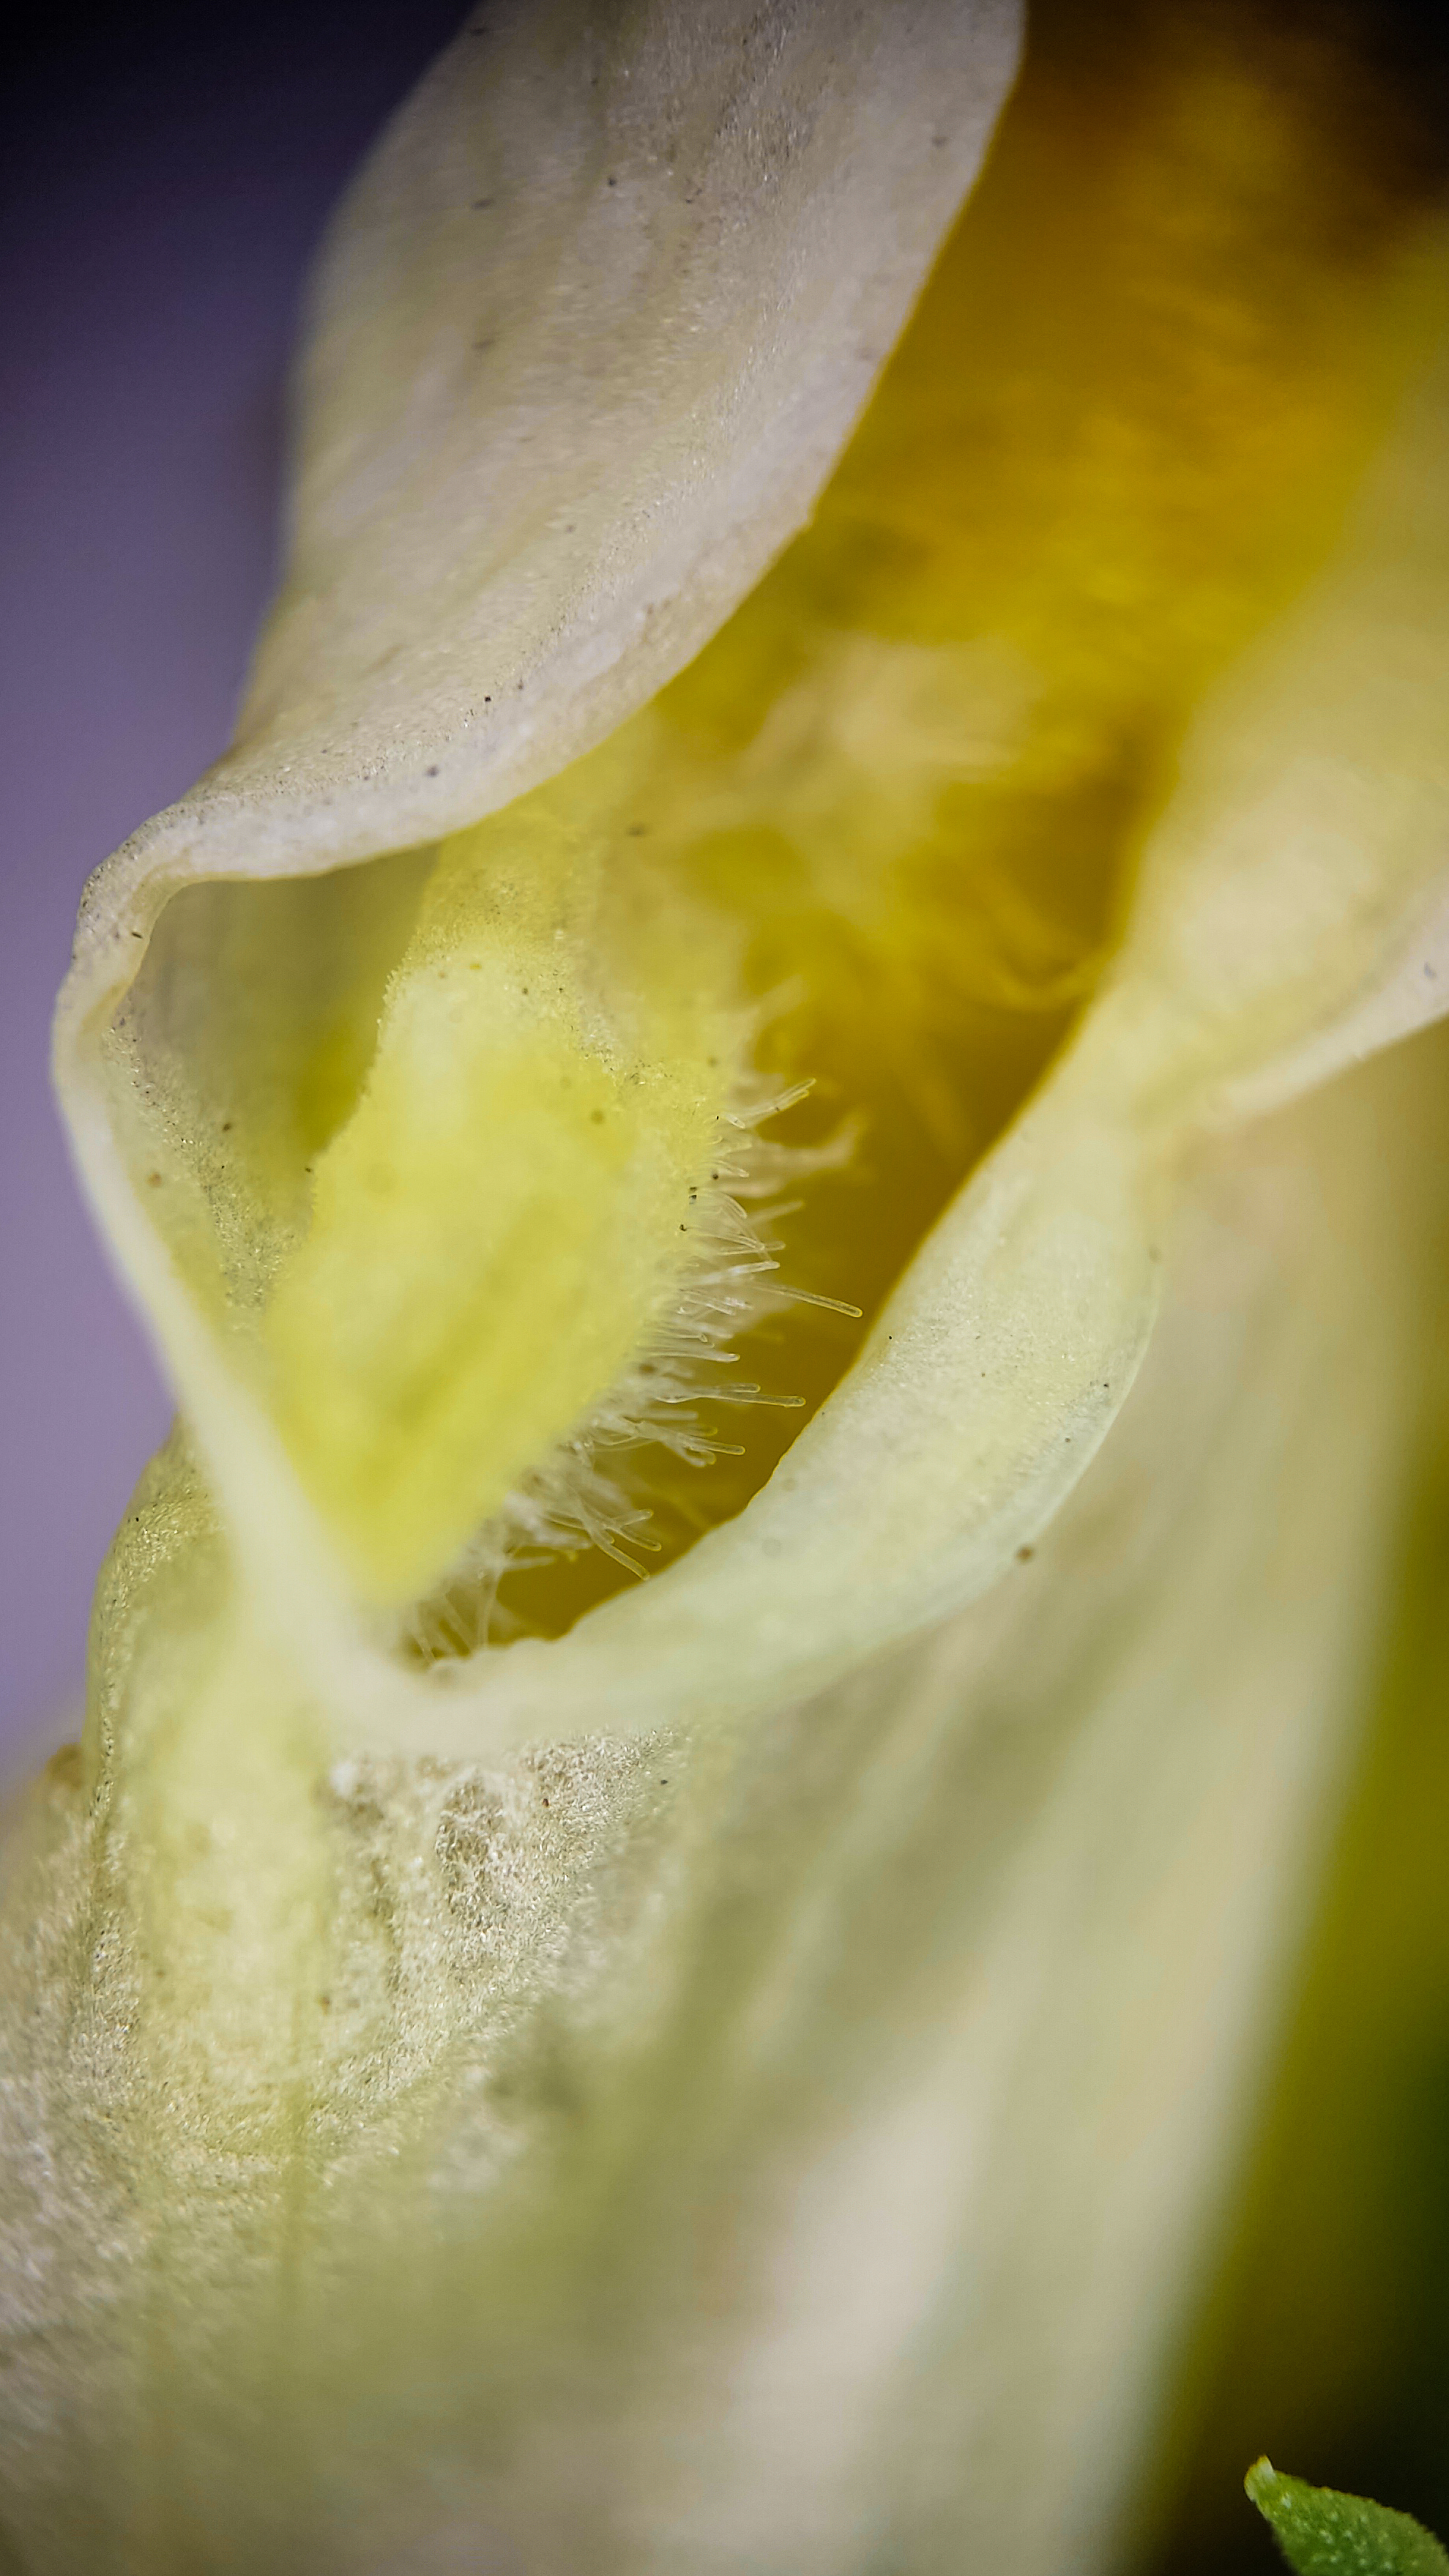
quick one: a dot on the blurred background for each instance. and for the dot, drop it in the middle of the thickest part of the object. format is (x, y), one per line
(167, 171)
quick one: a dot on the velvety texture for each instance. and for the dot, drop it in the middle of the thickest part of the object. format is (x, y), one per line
(744, 2080)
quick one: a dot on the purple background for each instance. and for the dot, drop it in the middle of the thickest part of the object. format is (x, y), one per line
(167, 178)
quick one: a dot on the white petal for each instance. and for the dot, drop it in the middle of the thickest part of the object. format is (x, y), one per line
(699, 245)
(594, 325)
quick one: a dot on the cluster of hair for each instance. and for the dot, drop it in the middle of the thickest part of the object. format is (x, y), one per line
(578, 1498)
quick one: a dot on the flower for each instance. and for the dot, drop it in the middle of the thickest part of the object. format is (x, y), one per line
(739, 2073)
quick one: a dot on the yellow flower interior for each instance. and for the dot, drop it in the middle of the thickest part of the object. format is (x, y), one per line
(432, 1135)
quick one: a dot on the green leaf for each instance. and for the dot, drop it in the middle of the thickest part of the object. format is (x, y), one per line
(1322, 2533)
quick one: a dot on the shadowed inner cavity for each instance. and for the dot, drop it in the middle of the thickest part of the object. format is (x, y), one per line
(470, 1150)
